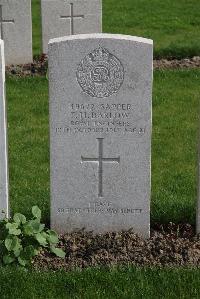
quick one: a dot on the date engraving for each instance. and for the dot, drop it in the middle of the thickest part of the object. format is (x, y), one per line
(100, 118)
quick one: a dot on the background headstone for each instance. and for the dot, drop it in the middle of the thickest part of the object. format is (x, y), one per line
(16, 30)
(68, 17)
(3, 140)
(100, 119)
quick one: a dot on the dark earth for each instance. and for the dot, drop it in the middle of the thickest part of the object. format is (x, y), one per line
(172, 245)
(40, 65)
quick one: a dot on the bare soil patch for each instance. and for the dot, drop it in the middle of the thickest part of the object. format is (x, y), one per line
(40, 65)
(173, 245)
(176, 64)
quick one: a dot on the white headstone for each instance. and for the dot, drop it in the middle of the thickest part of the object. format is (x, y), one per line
(3, 140)
(100, 120)
(198, 193)
(69, 17)
(16, 30)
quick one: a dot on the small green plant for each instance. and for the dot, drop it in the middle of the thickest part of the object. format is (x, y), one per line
(22, 239)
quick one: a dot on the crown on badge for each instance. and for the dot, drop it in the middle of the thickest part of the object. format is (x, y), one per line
(100, 54)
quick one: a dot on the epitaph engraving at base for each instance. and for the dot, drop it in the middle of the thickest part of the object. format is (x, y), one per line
(100, 88)
(100, 73)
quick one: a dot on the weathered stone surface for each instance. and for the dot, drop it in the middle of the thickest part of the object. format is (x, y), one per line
(198, 193)
(100, 120)
(16, 30)
(68, 17)
(3, 140)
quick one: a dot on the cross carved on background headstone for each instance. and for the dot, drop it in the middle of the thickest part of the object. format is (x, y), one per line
(71, 17)
(3, 21)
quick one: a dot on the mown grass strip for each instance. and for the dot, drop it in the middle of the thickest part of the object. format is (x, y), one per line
(116, 283)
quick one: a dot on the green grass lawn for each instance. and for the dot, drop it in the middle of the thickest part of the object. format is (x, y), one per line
(174, 25)
(37, 29)
(122, 283)
(174, 146)
(174, 150)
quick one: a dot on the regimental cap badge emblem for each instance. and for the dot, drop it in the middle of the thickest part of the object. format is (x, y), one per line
(100, 73)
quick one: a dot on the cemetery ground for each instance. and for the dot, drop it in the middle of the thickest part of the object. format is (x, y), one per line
(174, 158)
(174, 144)
(174, 150)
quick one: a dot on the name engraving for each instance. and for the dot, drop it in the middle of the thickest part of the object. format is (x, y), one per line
(100, 118)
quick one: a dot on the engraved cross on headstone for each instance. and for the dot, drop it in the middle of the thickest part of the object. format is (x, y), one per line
(72, 17)
(100, 160)
(3, 21)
